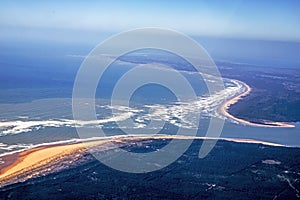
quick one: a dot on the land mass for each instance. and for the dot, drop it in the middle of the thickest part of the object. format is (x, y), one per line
(275, 92)
(231, 169)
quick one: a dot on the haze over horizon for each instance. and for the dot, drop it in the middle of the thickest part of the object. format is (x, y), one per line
(78, 21)
(54, 29)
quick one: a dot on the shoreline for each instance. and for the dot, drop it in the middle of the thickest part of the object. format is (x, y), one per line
(223, 109)
(29, 162)
(32, 158)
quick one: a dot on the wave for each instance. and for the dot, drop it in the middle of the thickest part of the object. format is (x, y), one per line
(180, 114)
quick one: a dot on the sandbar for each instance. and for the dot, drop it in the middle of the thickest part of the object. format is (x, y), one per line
(32, 160)
(225, 107)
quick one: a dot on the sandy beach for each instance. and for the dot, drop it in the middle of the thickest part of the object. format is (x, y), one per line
(30, 161)
(36, 157)
(225, 106)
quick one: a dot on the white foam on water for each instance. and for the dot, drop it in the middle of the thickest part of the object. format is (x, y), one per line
(180, 114)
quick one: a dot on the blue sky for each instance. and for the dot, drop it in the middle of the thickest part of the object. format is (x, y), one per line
(265, 20)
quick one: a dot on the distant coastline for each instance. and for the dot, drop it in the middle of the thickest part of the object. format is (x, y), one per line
(226, 105)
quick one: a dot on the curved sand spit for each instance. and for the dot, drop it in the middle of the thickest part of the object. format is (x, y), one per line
(225, 106)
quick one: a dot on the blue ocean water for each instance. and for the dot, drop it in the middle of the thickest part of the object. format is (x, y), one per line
(36, 105)
(23, 125)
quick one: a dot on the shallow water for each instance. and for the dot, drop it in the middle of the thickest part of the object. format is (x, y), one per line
(24, 125)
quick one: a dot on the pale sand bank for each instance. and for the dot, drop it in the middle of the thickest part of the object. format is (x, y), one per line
(35, 158)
